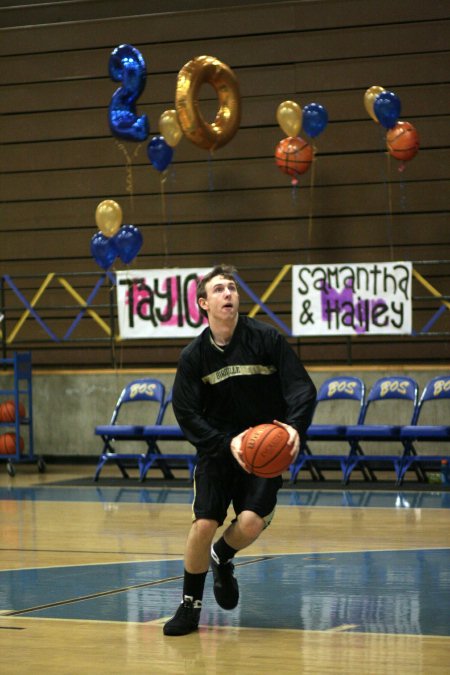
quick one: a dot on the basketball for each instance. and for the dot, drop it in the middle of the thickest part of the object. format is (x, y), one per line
(293, 156)
(403, 141)
(265, 450)
(8, 411)
(8, 444)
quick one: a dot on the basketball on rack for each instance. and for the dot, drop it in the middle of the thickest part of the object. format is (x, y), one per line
(8, 411)
(265, 450)
(8, 444)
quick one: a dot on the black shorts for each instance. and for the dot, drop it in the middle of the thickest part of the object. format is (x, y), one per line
(221, 482)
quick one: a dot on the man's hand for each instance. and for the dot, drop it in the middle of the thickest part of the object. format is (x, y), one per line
(294, 438)
(236, 450)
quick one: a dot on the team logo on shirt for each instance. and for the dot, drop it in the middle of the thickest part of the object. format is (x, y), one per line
(233, 371)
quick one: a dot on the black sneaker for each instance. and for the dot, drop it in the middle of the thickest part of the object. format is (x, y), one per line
(226, 589)
(186, 617)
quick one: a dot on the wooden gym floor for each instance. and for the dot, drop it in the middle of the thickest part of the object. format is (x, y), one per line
(348, 582)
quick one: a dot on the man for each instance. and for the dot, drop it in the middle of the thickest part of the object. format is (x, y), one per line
(238, 373)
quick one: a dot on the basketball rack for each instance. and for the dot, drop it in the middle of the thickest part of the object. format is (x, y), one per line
(20, 392)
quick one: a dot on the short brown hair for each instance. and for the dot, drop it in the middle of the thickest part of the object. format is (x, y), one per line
(226, 271)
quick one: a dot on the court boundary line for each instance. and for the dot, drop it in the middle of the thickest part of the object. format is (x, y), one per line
(237, 564)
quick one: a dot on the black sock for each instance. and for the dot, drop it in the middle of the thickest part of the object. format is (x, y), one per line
(194, 584)
(223, 551)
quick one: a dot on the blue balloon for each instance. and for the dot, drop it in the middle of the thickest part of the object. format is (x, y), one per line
(103, 250)
(315, 119)
(127, 65)
(128, 242)
(387, 107)
(159, 153)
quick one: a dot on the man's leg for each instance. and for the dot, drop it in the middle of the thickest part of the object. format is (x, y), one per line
(244, 530)
(196, 564)
(240, 534)
(196, 556)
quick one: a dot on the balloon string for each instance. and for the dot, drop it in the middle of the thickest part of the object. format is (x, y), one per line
(294, 188)
(210, 171)
(389, 219)
(387, 182)
(403, 195)
(164, 216)
(311, 202)
(128, 171)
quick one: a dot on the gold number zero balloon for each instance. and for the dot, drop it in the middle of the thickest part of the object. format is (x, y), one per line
(195, 73)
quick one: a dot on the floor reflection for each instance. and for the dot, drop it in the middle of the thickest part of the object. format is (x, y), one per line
(405, 592)
(287, 497)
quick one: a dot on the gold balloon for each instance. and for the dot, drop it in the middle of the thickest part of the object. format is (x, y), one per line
(289, 117)
(108, 216)
(170, 128)
(198, 71)
(369, 99)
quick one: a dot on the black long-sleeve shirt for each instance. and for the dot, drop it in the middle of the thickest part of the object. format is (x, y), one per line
(256, 378)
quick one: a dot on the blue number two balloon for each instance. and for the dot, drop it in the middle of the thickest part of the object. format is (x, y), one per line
(127, 65)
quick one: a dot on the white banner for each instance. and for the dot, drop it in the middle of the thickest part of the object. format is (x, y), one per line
(159, 303)
(369, 298)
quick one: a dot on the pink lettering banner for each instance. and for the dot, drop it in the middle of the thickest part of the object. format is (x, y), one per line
(159, 303)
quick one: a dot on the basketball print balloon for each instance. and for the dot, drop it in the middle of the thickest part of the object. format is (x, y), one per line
(293, 156)
(266, 451)
(403, 141)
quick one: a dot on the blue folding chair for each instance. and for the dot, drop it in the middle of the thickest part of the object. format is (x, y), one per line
(437, 389)
(384, 389)
(341, 388)
(167, 432)
(143, 390)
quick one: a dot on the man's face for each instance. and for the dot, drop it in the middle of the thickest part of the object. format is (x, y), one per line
(222, 298)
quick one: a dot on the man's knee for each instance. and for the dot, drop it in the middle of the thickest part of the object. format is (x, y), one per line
(250, 524)
(205, 528)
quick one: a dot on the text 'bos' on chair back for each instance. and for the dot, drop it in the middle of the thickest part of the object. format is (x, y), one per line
(386, 389)
(338, 389)
(436, 390)
(141, 393)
